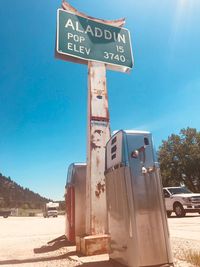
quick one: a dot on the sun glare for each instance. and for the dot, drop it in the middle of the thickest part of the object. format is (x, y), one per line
(183, 15)
(183, 3)
(183, 11)
(184, 6)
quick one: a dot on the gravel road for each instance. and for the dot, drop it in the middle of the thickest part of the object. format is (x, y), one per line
(23, 242)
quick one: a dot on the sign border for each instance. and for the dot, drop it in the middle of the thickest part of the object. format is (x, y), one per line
(79, 59)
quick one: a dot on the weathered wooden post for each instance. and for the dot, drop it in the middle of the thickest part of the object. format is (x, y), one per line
(98, 135)
(101, 44)
(96, 239)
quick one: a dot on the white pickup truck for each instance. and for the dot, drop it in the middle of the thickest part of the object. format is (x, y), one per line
(181, 200)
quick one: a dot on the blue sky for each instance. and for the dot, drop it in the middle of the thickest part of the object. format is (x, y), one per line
(43, 100)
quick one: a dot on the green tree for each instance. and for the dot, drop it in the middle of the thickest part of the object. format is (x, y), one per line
(179, 159)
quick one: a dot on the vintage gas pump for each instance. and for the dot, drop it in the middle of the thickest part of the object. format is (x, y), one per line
(75, 201)
(136, 213)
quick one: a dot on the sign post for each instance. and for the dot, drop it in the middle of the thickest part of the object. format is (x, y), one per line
(100, 44)
(98, 135)
(97, 238)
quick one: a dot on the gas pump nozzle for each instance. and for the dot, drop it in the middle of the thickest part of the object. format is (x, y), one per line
(140, 153)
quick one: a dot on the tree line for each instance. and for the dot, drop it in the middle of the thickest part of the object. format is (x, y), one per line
(13, 195)
(179, 158)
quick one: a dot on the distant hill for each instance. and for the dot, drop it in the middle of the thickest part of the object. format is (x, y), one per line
(13, 195)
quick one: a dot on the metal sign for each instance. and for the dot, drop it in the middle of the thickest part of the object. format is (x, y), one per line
(87, 40)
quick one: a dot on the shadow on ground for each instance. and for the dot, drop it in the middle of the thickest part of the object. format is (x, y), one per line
(51, 246)
(31, 260)
(71, 255)
(186, 217)
(109, 263)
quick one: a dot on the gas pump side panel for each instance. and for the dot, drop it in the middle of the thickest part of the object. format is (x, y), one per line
(164, 216)
(80, 201)
(70, 213)
(151, 234)
(152, 241)
(121, 227)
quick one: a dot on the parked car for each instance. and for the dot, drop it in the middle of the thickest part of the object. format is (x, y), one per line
(181, 200)
(5, 213)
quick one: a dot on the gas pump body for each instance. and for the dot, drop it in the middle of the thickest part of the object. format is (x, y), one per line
(136, 212)
(75, 201)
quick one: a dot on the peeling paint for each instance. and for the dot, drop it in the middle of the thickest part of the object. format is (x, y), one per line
(95, 118)
(94, 146)
(117, 22)
(98, 131)
(100, 188)
(97, 161)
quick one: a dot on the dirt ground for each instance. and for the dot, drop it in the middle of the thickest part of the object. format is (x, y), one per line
(185, 236)
(23, 242)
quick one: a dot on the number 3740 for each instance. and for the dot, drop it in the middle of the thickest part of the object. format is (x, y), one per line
(112, 56)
